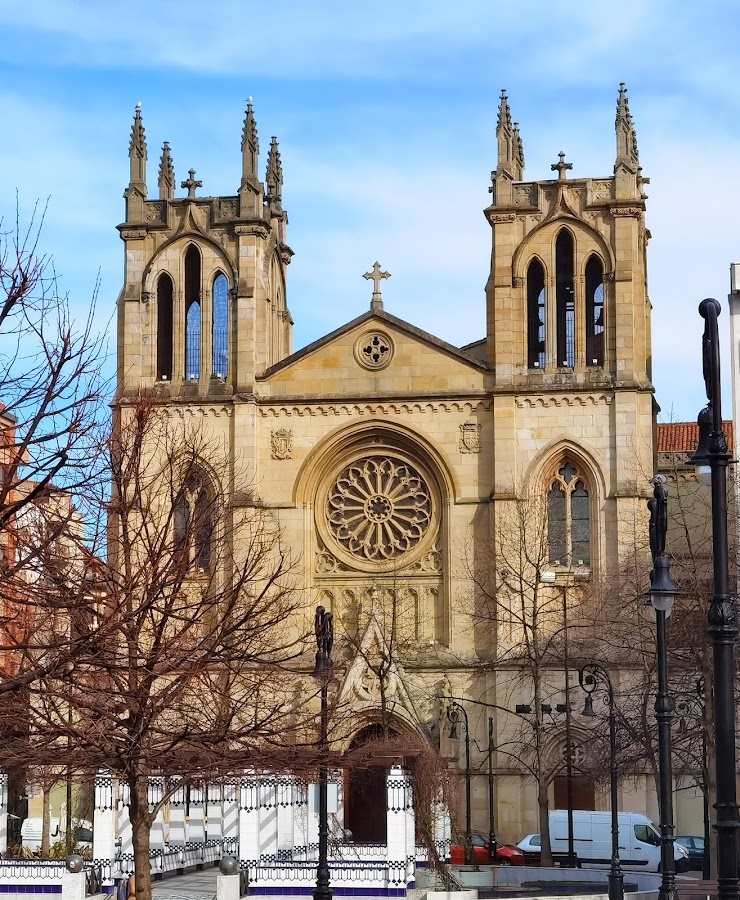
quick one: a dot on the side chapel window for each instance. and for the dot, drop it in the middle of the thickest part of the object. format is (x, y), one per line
(565, 301)
(192, 314)
(536, 315)
(594, 312)
(568, 518)
(192, 521)
(220, 326)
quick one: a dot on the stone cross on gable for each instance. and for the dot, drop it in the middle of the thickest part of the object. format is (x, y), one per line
(561, 167)
(191, 184)
(376, 276)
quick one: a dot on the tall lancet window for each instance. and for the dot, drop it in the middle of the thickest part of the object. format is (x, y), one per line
(220, 326)
(164, 328)
(594, 312)
(536, 315)
(565, 300)
(568, 518)
(192, 314)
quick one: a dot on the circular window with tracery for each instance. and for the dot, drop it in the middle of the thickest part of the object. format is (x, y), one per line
(379, 508)
(374, 350)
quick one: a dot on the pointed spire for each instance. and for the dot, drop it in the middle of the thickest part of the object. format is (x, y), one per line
(510, 166)
(137, 153)
(627, 154)
(274, 175)
(166, 174)
(250, 145)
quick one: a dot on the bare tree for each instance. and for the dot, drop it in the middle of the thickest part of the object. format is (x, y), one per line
(183, 662)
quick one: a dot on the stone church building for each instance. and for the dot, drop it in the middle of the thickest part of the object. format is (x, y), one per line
(396, 463)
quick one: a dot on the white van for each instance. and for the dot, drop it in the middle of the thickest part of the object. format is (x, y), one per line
(639, 841)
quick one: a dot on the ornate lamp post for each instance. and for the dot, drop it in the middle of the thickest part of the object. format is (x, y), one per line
(324, 629)
(593, 678)
(456, 712)
(550, 578)
(711, 459)
(491, 822)
(662, 593)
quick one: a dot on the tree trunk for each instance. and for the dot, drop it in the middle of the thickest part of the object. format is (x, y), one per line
(141, 830)
(45, 822)
(543, 808)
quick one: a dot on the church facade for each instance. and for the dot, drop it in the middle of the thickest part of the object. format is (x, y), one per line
(397, 464)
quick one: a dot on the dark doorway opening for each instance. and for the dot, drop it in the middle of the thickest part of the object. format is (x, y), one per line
(584, 792)
(366, 801)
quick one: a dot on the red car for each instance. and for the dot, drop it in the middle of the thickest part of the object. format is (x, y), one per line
(506, 854)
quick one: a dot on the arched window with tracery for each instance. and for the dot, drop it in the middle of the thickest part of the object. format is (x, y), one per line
(594, 312)
(568, 518)
(565, 301)
(220, 326)
(164, 327)
(536, 315)
(192, 314)
(193, 523)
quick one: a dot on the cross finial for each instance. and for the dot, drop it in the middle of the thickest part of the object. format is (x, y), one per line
(376, 276)
(191, 184)
(561, 167)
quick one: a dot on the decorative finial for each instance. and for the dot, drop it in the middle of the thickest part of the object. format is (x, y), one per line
(376, 276)
(250, 145)
(561, 167)
(137, 154)
(626, 136)
(166, 174)
(510, 149)
(274, 175)
(504, 113)
(191, 184)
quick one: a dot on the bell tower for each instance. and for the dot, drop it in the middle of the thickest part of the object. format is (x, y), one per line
(203, 308)
(568, 325)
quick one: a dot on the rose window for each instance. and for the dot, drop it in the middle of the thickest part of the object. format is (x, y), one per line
(379, 508)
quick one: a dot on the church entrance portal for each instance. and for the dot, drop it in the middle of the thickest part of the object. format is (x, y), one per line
(366, 798)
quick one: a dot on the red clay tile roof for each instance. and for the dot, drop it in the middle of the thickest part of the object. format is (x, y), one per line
(682, 437)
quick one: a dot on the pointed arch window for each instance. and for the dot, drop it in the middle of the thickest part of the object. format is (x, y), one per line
(193, 523)
(536, 315)
(594, 312)
(164, 327)
(192, 314)
(568, 518)
(220, 326)
(565, 301)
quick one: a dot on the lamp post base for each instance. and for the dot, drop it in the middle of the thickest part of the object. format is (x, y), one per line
(616, 886)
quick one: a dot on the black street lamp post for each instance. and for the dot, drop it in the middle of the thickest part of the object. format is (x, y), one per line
(455, 711)
(712, 458)
(491, 821)
(662, 593)
(324, 629)
(592, 678)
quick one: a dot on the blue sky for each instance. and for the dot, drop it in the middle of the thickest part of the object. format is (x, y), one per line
(386, 115)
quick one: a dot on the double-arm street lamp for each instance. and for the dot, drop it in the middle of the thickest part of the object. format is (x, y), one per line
(551, 578)
(457, 716)
(662, 593)
(324, 630)
(594, 679)
(711, 459)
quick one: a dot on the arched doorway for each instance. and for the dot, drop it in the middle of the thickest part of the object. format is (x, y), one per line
(366, 802)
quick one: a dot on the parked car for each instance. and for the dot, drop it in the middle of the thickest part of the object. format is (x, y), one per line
(530, 844)
(506, 854)
(693, 844)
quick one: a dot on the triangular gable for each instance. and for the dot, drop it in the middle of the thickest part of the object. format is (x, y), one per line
(360, 690)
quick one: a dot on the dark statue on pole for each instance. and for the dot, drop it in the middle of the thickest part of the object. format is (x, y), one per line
(712, 453)
(661, 593)
(324, 630)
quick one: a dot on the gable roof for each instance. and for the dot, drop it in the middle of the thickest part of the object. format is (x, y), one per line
(382, 316)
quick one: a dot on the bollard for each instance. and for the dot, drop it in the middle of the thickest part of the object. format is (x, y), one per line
(227, 882)
(73, 879)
